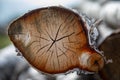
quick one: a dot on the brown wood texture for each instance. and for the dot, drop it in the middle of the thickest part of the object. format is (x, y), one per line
(52, 39)
(111, 48)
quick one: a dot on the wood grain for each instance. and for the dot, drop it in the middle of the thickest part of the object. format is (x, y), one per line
(51, 39)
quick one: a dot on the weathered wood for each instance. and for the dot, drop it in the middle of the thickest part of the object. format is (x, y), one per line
(111, 48)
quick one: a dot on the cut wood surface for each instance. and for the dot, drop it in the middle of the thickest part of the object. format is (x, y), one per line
(54, 40)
